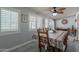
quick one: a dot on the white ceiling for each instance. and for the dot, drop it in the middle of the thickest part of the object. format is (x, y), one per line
(69, 11)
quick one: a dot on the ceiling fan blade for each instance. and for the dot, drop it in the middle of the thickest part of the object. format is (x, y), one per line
(60, 12)
(61, 8)
(55, 10)
(51, 10)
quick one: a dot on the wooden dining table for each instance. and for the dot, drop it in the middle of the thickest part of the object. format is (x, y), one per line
(57, 39)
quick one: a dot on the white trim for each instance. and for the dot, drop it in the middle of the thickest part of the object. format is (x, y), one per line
(17, 46)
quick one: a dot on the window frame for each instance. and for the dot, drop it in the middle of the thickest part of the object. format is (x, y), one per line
(41, 22)
(47, 23)
(30, 27)
(36, 21)
(19, 15)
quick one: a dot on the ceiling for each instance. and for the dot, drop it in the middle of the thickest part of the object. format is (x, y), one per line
(69, 11)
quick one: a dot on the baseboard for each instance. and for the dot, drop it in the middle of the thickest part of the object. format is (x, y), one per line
(18, 46)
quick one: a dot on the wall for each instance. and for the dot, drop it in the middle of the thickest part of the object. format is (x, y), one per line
(13, 39)
(71, 21)
(24, 35)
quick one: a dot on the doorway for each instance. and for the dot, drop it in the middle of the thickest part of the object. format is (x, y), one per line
(78, 27)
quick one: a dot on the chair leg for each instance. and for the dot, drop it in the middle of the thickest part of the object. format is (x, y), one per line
(50, 49)
(66, 47)
(39, 49)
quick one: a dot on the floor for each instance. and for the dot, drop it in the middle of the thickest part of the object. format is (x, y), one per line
(28, 48)
(73, 46)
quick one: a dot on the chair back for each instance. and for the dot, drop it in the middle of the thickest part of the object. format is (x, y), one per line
(43, 41)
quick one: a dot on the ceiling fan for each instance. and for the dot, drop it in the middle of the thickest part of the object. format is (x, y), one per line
(56, 11)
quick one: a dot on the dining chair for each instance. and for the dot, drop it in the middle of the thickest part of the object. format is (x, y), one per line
(43, 40)
(65, 40)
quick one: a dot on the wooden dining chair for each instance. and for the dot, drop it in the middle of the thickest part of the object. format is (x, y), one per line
(65, 40)
(43, 40)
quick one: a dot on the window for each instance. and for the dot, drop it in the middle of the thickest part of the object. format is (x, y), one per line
(39, 22)
(35, 22)
(46, 23)
(32, 22)
(51, 24)
(9, 20)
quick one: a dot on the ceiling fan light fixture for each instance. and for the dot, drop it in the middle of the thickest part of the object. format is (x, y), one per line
(54, 14)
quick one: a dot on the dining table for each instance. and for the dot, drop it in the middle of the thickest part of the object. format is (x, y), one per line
(56, 38)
